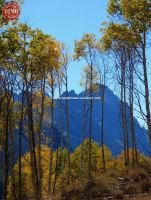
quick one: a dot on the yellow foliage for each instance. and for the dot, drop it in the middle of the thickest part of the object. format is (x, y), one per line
(78, 167)
(119, 162)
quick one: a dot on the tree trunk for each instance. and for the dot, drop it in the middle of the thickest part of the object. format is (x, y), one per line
(20, 146)
(11, 127)
(122, 109)
(56, 168)
(51, 136)
(132, 126)
(83, 133)
(90, 128)
(102, 127)
(147, 98)
(67, 126)
(6, 160)
(40, 175)
(33, 159)
(125, 121)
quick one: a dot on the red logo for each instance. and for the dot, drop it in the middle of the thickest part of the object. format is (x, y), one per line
(11, 10)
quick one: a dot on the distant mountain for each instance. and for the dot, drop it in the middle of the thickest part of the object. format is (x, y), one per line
(112, 125)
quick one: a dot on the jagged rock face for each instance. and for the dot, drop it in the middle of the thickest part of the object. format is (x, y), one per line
(112, 124)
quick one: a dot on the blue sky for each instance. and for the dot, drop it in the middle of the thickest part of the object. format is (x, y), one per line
(66, 20)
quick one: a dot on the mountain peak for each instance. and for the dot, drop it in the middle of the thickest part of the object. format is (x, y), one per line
(71, 93)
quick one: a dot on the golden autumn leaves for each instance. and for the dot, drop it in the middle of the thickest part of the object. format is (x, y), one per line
(133, 17)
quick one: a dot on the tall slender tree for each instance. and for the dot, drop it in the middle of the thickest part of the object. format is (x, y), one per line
(86, 48)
